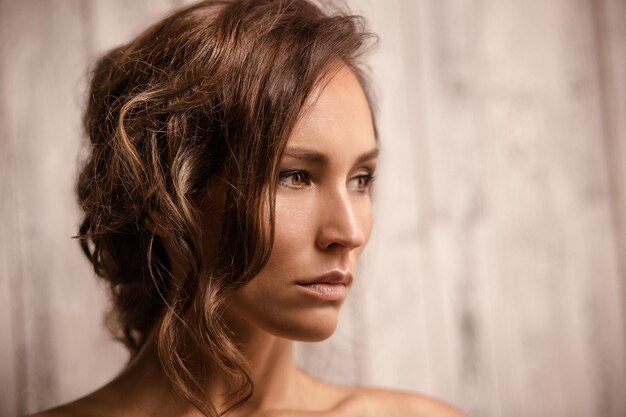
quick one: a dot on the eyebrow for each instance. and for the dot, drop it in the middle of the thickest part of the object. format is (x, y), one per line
(322, 159)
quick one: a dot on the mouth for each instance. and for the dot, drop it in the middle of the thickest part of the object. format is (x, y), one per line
(331, 286)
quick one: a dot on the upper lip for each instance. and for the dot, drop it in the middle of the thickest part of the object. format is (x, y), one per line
(332, 277)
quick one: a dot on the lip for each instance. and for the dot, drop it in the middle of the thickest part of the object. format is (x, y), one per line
(331, 286)
(335, 276)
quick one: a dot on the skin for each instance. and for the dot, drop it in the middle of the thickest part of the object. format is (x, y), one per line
(323, 221)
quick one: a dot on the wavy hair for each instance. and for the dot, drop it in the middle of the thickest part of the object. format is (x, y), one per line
(211, 92)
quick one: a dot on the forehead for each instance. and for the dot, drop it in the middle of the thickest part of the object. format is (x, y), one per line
(337, 115)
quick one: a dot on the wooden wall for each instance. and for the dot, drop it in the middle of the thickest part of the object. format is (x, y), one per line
(496, 275)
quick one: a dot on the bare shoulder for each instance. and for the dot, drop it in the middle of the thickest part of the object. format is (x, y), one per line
(51, 413)
(347, 401)
(378, 402)
(68, 410)
(88, 406)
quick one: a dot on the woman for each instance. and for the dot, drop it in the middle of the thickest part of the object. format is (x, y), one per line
(226, 199)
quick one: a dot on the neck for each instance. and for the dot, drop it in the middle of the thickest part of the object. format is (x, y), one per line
(270, 359)
(278, 383)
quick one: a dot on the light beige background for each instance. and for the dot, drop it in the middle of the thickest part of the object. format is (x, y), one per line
(496, 275)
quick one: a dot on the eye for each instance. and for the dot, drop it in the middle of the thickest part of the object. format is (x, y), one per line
(361, 183)
(295, 179)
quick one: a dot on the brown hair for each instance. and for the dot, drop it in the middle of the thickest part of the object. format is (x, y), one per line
(212, 91)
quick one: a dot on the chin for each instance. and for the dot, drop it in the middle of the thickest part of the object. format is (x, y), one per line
(310, 326)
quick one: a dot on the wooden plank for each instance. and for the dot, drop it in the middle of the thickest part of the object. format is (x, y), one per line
(610, 30)
(11, 306)
(610, 24)
(517, 81)
(19, 50)
(462, 371)
(12, 366)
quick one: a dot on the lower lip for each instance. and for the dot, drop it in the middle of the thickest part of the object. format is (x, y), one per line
(326, 291)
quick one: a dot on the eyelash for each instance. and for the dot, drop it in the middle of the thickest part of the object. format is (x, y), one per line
(368, 178)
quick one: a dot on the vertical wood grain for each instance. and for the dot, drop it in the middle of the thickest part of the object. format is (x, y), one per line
(610, 24)
(12, 368)
(22, 202)
(495, 277)
(610, 30)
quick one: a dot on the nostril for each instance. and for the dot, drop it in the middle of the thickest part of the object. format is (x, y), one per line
(343, 221)
(335, 238)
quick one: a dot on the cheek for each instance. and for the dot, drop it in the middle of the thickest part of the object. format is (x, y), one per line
(293, 240)
(365, 218)
(368, 219)
(294, 229)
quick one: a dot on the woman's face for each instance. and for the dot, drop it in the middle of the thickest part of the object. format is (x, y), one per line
(323, 217)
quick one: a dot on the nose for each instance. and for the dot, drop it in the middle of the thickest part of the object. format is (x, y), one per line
(342, 223)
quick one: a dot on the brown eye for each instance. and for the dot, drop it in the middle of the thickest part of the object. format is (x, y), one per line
(295, 179)
(361, 183)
